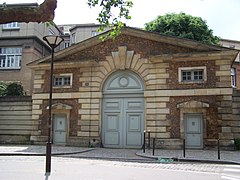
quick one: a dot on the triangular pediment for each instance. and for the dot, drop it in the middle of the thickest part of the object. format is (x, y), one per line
(135, 40)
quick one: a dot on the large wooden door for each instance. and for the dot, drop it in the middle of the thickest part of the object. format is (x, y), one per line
(193, 131)
(123, 111)
(123, 122)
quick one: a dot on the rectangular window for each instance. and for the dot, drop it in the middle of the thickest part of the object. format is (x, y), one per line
(233, 77)
(94, 33)
(10, 57)
(66, 44)
(192, 74)
(12, 25)
(73, 38)
(51, 32)
(63, 80)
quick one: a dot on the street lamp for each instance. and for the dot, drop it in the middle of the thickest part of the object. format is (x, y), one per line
(53, 42)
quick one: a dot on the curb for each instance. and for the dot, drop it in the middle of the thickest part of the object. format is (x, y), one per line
(190, 159)
(122, 159)
(43, 154)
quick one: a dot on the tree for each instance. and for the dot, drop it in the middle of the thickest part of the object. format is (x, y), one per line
(183, 26)
(11, 89)
(45, 12)
(3, 87)
(15, 89)
(106, 17)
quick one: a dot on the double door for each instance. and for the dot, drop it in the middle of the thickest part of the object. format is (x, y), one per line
(123, 122)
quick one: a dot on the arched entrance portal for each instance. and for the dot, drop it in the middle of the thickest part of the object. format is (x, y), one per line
(123, 111)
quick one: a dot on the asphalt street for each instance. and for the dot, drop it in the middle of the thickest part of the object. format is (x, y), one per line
(33, 168)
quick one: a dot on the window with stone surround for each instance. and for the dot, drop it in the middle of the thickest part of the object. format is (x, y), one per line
(62, 81)
(192, 74)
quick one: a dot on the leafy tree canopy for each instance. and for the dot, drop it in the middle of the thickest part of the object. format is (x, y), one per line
(183, 26)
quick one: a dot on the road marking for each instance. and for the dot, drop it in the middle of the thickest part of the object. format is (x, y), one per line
(231, 172)
(229, 178)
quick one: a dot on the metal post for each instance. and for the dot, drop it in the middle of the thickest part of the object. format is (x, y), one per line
(149, 143)
(218, 149)
(144, 136)
(153, 153)
(53, 42)
(184, 148)
(49, 142)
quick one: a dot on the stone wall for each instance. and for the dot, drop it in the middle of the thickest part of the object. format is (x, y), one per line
(15, 119)
(235, 123)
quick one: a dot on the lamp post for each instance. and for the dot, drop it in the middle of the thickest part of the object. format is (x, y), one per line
(53, 42)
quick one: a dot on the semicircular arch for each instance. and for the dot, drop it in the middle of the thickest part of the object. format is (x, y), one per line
(123, 82)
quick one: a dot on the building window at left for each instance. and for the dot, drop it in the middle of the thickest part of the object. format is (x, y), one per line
(12, 25)
(10, 57)
(233, 77)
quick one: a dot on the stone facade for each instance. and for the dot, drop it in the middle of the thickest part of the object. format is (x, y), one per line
(156, 59)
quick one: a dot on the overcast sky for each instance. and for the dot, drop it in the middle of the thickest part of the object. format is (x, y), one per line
(221, 15)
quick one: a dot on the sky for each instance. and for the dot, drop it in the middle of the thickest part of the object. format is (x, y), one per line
(222, 16)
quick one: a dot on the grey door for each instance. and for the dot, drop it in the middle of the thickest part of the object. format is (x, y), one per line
(123, 122)
(60, 129)
(193, 131)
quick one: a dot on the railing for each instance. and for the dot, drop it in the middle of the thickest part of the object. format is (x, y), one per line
(183, 149)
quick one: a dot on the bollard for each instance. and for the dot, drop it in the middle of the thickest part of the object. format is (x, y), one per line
(144, 136)
(218, 149)
(153, 152)
(149, 139)
(184, 148)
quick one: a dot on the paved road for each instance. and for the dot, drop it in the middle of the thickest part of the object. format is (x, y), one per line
(32, 168)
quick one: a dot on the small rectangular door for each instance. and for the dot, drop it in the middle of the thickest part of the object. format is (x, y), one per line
(60, 129)
(193, 131)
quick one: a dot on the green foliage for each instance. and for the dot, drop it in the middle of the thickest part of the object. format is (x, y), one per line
(107, 18)
(3, 87)
(237, 143)
(11, 89)
(183, 26)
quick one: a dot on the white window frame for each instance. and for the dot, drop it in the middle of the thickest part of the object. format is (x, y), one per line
(12, 25)
(192, 69)
(66, 44)
(94, 33)
(67, 75)
(51, 32)
(73, 38)
(233, 77)
(13, 57)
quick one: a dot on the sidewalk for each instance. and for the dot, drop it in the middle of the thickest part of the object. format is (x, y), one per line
(210, 156)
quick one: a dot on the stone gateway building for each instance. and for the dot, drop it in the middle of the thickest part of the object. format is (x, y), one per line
(108, 93)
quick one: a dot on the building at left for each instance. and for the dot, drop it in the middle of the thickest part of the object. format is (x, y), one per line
(20, 44)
